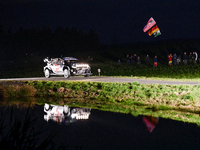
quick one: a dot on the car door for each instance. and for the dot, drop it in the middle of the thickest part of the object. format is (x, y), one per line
(57, 66)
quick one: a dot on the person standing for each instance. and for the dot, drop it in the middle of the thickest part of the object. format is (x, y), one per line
(155, 61)
(138, 61)
(170, 59)
(135, 58)
(174, 59)
(127, 59)
(193, 57)
(178, 59)
(190, 58)
(185, 58)
(196, 57)
(131, 60)
(119, 62)
(147, 60)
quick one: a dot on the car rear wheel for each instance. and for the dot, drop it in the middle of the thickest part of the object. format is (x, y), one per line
(47, 73)
(66, 73)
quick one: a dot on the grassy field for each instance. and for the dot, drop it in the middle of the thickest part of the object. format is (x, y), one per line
(189, 72)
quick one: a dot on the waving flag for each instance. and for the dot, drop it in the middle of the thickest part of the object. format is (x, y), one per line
(157, 33)
(151, 28)
(149, 25)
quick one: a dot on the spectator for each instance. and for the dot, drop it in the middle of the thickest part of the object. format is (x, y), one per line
(138, 61)
(135, 58)
(131, 60)
(155, 61)
(119, 62)
(170, 59)
(174, 59)
(190, 58)
(147, 60)
(127, 59)
(185, 58)
(179, 59)
(196, 57)
(193, 57)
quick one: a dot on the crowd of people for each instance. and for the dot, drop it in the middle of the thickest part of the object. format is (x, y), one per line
(134, 59)
(192, 58)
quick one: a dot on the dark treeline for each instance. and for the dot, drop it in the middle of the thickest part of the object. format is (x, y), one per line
(29, 46)
(45, 42)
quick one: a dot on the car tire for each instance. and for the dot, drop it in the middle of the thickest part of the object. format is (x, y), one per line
(66, 73)
(46, 107)
(86, 75)
(47, 73)
(87, 71)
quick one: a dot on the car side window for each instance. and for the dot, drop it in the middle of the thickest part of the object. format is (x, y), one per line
(67, 62)
(54, 62)
(59, 62)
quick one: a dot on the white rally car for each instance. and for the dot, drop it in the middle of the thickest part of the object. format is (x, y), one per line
(66, 66)
(60, 114)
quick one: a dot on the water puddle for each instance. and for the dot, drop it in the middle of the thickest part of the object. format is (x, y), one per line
(86, 128)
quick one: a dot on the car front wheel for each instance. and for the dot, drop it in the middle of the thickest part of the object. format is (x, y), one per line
(66, 73)
(87, 75)
(47, 73)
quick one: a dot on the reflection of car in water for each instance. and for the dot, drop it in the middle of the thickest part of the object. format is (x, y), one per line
(150, 122)
(80, 113)
(65, 114)
(66, 66)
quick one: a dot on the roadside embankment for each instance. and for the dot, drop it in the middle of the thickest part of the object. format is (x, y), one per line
(175, 96)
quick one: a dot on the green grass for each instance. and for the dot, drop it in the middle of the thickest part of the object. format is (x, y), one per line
(176, 96)
(162, 72)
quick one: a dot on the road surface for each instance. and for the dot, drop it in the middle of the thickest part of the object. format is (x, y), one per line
(104, 79)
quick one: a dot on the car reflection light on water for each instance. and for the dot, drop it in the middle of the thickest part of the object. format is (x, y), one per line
(65, 114)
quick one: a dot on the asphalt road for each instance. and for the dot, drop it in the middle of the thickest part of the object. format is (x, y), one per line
(104, 79)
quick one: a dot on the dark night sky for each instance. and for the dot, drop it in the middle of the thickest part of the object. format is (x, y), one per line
(121, 21)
